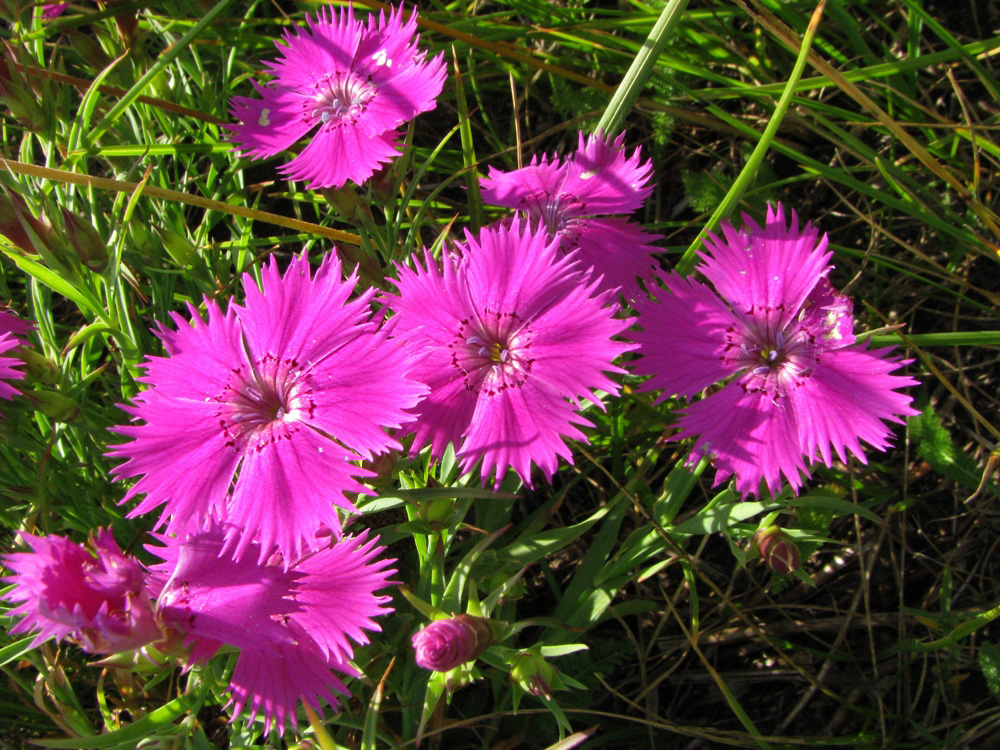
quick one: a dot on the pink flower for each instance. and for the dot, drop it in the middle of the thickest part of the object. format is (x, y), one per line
(511, 339)
(798, 383)
(355, 84)
(97, 599)
(10, 327)
(446, 644)
(571, 199)
(257, 418)
(295, 624)
(53, 10)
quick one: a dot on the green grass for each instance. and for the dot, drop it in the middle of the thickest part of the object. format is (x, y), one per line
(883, 129)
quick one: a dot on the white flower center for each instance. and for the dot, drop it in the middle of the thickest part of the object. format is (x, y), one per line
(340, 97)
(493, 352)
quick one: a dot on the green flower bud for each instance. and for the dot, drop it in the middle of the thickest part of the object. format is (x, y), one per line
(182, 252)
(534, 674)
(54, 405)
(22, 101)
(38, 367)
(348, 205)
(86, 241)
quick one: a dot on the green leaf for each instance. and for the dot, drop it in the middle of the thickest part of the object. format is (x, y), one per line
(936, 447)
(721, 516)
(989, 662)
(435, 689)
(15, 650)
(130, 735)
(536, 546)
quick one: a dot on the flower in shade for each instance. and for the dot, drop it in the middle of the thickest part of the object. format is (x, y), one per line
(446, 644)
(96, 598)
(294, 624)
(257, 418)
(510, 337)
(352, 83)
(572, 198)
(800, 388)
(10, 328)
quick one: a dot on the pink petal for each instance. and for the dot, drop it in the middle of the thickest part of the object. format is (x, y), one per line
(682, 337)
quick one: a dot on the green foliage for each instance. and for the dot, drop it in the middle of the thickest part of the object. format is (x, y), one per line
(989, 663)
(631, 566)
(937, 447)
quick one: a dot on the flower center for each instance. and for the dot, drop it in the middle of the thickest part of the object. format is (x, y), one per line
(769, 356)
(493, 352)
(554, 212)
(262, 403)
(340, 97)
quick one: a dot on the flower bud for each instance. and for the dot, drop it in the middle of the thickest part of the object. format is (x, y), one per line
(181, 251)
(436, 511)
(18, 224)
(382, 183)
(384, 467)
(777, 550)
(19, 97)
(85, 241)
(534, 674)
(86, 46)
(54, 405)
(348, 205)
(446, 644)
(38, 367)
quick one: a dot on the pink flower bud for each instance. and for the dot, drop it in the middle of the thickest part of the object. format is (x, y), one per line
(17, 223)
(777, 550)
(445, 644)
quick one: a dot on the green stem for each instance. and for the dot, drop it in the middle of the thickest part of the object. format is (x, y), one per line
(635, 79)
(956, 338)
(685, 264)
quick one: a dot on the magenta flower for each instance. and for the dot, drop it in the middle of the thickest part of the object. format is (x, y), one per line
(798, 383)
(571, 199)
(10, 328)
(97, 599)
(294, 624)
(257, 417)
(446, 644)
(355, 84)
(511, 338)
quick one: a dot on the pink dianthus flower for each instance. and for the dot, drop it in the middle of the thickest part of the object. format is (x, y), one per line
(800, 388)
(10, 328)
(353, 83)
(510, 337)
(97, 599)
(295, 624)
(572, 198)
(257, 418)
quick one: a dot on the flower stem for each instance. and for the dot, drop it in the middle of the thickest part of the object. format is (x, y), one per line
(637, 74)
(732, 197)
